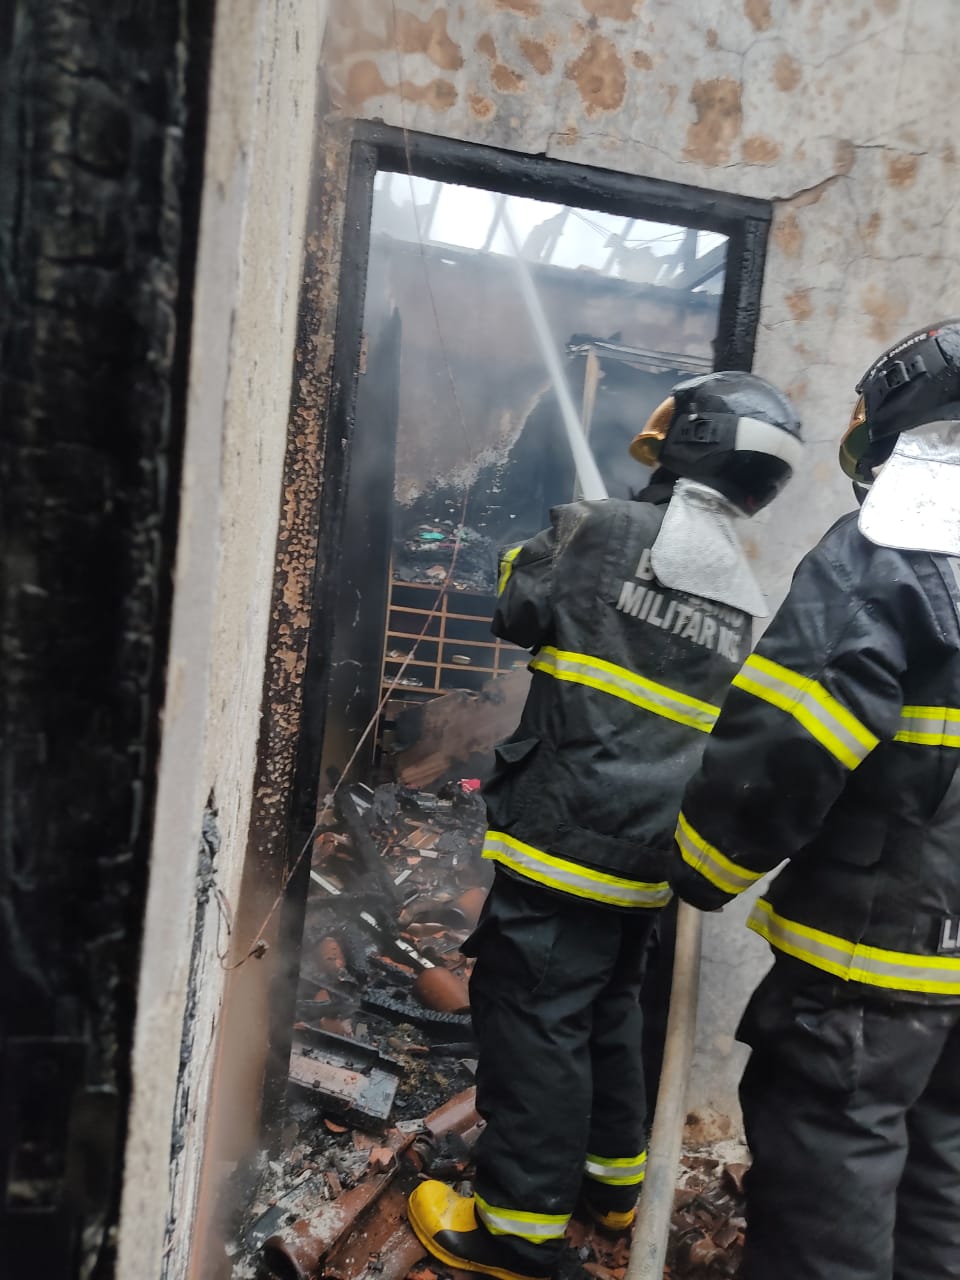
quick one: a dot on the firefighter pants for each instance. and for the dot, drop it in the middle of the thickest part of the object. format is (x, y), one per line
(852, 1111)
(555, 997)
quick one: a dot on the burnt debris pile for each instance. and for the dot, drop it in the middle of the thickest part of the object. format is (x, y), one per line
(380, 1085)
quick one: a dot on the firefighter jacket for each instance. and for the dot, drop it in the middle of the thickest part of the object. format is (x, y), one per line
(837, 748)
(627, 681)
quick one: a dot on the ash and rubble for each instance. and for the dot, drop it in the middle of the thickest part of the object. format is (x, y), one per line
(381, 1073)
(707, 1228)
(426, 555)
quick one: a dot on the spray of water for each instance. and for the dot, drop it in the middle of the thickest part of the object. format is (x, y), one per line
(588, 475)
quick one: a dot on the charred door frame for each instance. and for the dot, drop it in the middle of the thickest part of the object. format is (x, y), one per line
(744, 220)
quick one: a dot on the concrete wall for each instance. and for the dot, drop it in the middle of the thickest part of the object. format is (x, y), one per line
(838, 113)
(261, 131)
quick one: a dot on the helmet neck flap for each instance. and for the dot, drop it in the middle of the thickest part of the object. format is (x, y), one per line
(734, 441)
(698, 550)
(914, 503)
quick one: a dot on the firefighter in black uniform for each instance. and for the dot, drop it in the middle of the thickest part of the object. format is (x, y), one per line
(838, 748)
(638, 613)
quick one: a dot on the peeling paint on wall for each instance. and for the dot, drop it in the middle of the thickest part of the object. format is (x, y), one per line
(482, 107)
(758, 14)
(430, 38)
(719, 116)
(787, 234)
(902, 170)
(538, 55)
(600, 76)
(296, 545)
(620, 10)
(787, 72)
(760, 150)
(530, 8)
(364, 81)
(507, 80)
(801, 308)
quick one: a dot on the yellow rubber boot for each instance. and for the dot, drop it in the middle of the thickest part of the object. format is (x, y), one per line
(611, 1221)
(447, 1226)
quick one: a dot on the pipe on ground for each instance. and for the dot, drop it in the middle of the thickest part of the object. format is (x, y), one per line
(651, 1234)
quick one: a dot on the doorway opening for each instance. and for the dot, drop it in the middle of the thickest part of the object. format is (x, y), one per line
(452, 450)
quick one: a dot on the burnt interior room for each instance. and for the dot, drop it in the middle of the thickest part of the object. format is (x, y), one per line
(456, 452)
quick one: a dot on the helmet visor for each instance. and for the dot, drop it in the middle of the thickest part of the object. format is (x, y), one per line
(855, 440)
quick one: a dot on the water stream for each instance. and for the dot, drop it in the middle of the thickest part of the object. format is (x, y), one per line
(588, 474)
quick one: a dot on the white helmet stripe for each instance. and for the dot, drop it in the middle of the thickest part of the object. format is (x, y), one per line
(761, 437)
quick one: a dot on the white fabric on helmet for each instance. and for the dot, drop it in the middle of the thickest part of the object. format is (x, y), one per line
(697, 550)
(762, 437)
(914, 503)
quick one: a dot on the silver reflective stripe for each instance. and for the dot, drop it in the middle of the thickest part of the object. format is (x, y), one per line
(811, 705)
(930, 726)
(761, 437)
(518, 1222)
(710, 862)
(856, 962)
(570, 877)
(617, 1172)
(621, 683)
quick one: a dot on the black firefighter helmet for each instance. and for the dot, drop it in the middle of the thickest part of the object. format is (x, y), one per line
(916, 381)
(732, 431)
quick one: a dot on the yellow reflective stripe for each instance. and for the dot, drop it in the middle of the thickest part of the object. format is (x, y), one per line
(710, 862)
(804, 698)
(535, 1227)
(506, 567)
(571, 877)
(855, 961)
(627, 1172)
(930, 726)
(597, 673)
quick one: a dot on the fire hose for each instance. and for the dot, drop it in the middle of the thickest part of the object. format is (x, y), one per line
(651, 1233)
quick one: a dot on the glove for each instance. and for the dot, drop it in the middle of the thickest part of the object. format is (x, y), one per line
(696, 889)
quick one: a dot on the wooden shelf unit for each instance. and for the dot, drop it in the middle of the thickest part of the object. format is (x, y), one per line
(460, 626)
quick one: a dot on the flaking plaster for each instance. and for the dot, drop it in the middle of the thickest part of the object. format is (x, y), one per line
(260, 143)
